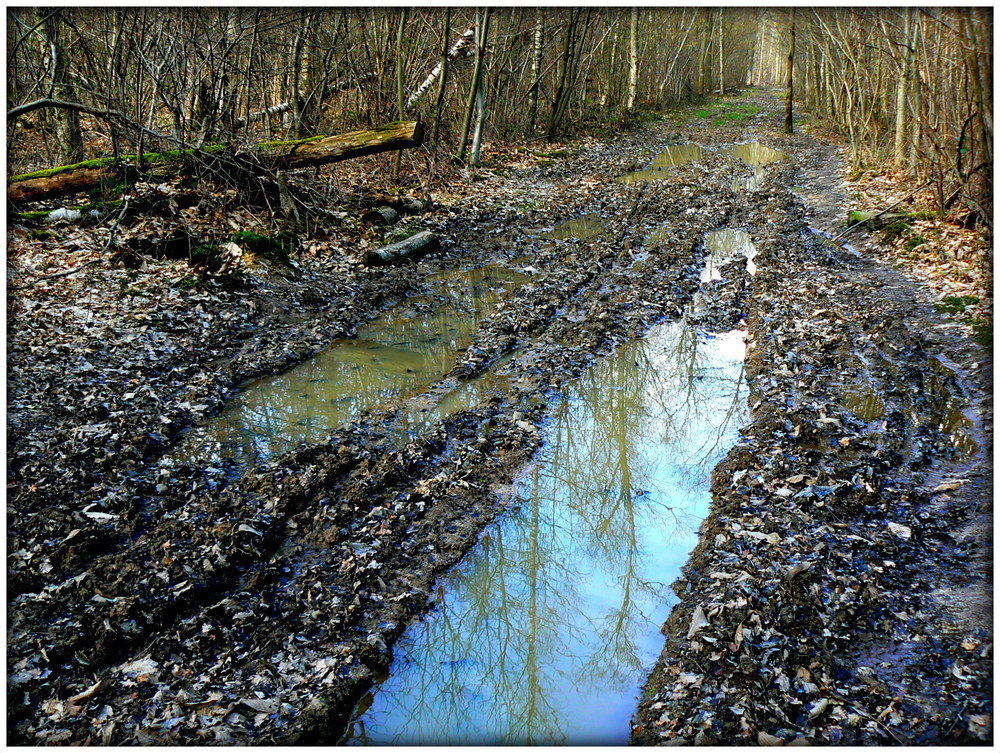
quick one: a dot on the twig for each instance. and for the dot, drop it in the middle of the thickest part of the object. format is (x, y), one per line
(888, 209)
(64, 273)
(108, 116)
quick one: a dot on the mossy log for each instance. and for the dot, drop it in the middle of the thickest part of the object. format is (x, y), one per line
(879, 221)
(265, 157)
(411, 248)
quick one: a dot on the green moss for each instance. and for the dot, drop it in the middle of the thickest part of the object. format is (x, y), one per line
(31, 216)
(189, 282)
(279, 144)
(102, 207)
(279, 246)
(128, 160)
(703, 114)
(856, 216)
(207, 255)
(913, 241)
(52, 171)
(925, 215)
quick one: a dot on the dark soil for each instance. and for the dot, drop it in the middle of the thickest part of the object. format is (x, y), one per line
(156, 602)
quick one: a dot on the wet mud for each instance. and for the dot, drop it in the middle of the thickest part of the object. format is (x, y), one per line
(159, 596)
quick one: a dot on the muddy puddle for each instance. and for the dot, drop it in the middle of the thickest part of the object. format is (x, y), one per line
(755, 156)
(546, 631)
(582, 228)
(399, 353)
(659, 168)
(950, 410)
(946, 409)
(724, 246)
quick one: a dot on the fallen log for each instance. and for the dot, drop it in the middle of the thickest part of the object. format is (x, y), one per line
(381, 216)
(411, 248)
(258, 158)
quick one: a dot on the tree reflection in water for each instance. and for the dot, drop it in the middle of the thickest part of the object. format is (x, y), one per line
(545, 630)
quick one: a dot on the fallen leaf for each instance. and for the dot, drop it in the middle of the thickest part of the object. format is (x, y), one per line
(904, 532)
(698, 621)
(765, 739)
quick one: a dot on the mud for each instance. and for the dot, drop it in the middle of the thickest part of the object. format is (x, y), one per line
(158, 601)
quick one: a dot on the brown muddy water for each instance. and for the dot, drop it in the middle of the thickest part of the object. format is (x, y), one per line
(395, 355)
(582, 228)
(546, 631)
(659, 168)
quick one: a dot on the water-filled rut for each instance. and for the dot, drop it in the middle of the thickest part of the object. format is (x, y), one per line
(545, 632)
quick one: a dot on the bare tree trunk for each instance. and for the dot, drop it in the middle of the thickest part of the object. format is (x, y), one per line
(902, 90)
(443, 83)
(536, 68)
(722, 80)
(477, 81)
(477, 134)
(400, 65)
(706, 31)
(565, 66)
(69, 138)
(791, 67)
(633, 58)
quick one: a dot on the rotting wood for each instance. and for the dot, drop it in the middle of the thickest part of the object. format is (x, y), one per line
(265, 157)
(411, 248)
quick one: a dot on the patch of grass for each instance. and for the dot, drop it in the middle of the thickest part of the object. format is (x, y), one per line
(982, 331)
(956, 304)
(400, 234)
(897, 228)
(734, 118)
(108, 189)
(703, 113)
(189, 282)
(913, 241)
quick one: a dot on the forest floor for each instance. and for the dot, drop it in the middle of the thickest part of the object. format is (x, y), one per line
(841, 590)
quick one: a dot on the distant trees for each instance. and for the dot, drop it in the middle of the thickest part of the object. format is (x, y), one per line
(912, 86)
(904, 84)
(242, 74)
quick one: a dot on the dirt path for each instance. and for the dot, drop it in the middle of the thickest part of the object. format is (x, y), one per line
(841, 590)
(154, 602)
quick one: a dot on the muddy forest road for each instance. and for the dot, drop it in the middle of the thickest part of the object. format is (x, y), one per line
(840, 590)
